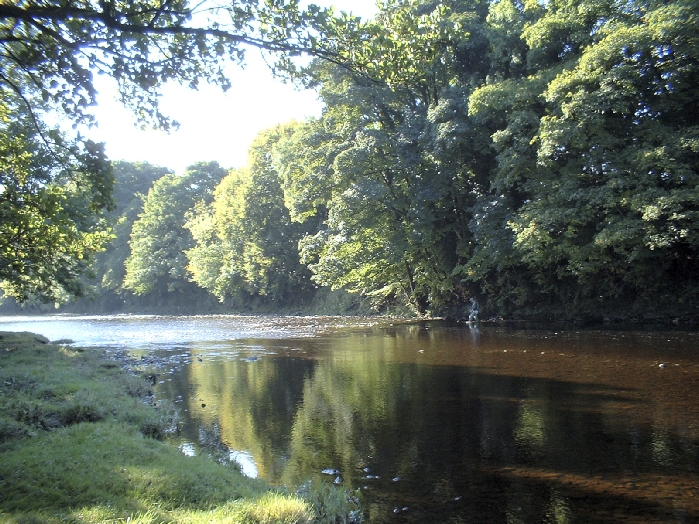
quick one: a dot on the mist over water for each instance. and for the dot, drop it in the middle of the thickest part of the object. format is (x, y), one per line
(432, 422)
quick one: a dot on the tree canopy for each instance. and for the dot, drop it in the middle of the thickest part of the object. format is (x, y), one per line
(541, 156)
(159, 238)
(246, 244)
(52, 194)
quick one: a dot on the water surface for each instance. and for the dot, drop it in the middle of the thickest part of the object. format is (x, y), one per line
(433, 422)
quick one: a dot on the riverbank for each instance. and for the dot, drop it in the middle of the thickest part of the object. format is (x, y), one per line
(82, 440)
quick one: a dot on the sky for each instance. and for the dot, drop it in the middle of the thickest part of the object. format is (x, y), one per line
(213, 125)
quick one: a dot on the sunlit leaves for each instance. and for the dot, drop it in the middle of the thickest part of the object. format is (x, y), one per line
(246, 244)
(53, 193)
(159, 239)
(53, 48)
(614, 183)
(131, 184)
(544, 154)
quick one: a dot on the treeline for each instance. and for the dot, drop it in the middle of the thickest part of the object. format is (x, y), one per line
(541, 156)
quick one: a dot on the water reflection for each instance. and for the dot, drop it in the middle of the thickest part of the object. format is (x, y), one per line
(434, 422)
(451, 424)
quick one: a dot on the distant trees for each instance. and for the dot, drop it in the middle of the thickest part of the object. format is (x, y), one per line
(132, 181)
(159, 238)
(246, 245)
(49, 52)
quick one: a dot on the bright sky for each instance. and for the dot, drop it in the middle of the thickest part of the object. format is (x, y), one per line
(213, 125)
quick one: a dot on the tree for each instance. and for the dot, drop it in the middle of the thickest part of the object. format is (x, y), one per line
(619, 161)
(53, 194)
(593, 199)
(132, 181)
(542, 154)
(246, 243)
(159, 240)
(389, 168)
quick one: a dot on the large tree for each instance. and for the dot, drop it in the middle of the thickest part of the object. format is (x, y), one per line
(159, 239)
(387, 170)
(543, 155)
(246, 244)
(594, 200)
(132, 181)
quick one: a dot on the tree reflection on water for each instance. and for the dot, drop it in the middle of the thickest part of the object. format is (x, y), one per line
(438, 423)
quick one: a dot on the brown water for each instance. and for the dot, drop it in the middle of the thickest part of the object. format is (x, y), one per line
(442, 423)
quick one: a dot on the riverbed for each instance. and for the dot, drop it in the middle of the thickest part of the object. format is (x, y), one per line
(431, 421)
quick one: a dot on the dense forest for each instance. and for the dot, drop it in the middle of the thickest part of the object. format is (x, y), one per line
(542, 156)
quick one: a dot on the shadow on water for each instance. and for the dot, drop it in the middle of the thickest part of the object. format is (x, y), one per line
(446, 424)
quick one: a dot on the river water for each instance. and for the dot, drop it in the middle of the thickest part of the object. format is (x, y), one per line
(432, 422)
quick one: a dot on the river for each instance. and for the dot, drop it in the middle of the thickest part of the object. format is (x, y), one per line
(432, 421)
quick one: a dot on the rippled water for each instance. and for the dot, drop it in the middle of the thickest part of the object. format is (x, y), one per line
(152, 332)
(433, 422)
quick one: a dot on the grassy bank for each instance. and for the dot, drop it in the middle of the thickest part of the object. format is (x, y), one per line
(79, 444)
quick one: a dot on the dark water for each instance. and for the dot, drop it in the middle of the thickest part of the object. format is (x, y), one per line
(441, 423)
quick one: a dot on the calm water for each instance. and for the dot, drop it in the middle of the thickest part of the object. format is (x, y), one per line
(433, 422)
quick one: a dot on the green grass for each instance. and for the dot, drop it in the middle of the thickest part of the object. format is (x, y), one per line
(77, 445)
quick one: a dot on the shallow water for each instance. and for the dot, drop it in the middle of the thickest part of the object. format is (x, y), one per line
(433, 422)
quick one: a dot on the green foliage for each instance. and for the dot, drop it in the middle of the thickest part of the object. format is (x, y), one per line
(381, 172)
(159, 239)
(53, 48)
(49, 52)
(597, 160)
(246, 243)
(53, 195)
(132, 182)
(542, 156)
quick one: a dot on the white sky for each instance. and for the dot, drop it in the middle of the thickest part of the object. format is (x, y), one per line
(213, 125)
